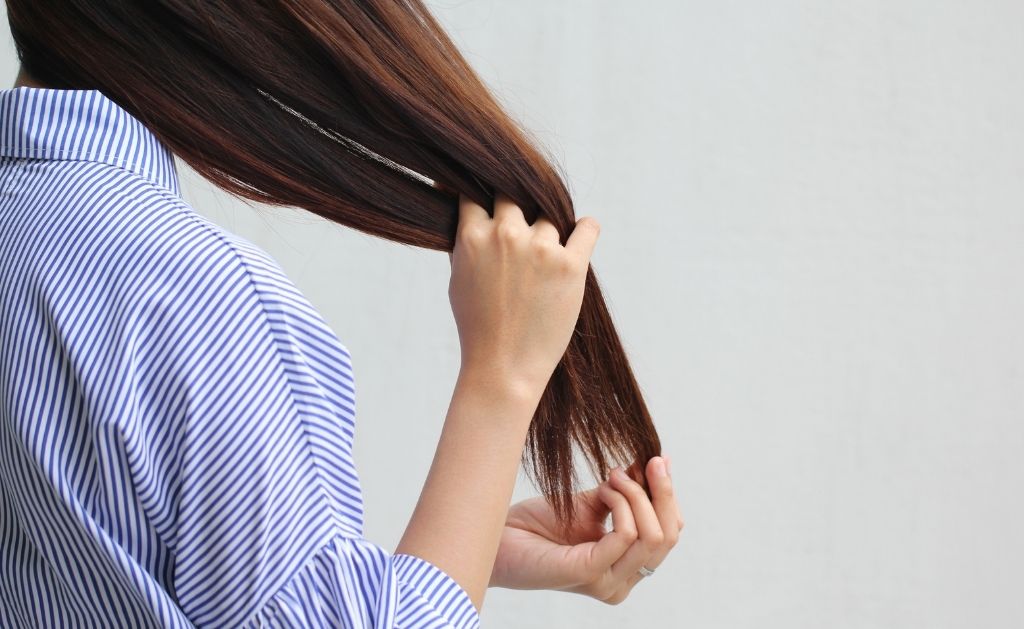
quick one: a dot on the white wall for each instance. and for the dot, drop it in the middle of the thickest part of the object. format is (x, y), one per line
(813, 222)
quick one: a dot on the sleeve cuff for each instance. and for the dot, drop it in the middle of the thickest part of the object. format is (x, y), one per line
(438, 588)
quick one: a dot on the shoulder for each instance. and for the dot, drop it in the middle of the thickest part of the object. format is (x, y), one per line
(104, 254)
(83, 220)
(199, 276)
(106, 223)
(108, 244)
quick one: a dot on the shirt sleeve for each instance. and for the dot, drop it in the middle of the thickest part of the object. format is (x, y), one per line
(248, 475)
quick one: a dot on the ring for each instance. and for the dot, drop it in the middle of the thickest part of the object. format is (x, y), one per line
(645, 571)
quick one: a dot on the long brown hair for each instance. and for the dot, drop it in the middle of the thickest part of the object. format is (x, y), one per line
(353, 110)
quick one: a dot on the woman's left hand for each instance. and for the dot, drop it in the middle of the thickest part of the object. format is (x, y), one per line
(591, 561)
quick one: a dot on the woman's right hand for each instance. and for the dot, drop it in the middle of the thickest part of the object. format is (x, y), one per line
(516, 291)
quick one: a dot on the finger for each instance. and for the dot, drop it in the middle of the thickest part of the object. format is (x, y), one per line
(546, 230)
(583, 237)
(506, 210)
(470, 212)
(668, 466)
(627, 569)
(611, 547)
(666, 506)
(648, 525)
(650, 535)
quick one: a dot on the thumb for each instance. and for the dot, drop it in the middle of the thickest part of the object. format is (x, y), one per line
(590, 502)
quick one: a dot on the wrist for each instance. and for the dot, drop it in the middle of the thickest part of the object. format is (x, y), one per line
(500, 385)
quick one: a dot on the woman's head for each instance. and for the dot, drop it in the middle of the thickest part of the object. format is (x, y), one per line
(353, 110)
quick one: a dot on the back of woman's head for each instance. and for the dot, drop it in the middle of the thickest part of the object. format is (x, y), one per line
(350, 109)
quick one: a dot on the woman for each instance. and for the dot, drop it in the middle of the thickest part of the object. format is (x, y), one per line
(177, 419)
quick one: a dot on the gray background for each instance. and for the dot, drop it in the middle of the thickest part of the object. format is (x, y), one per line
(813, 216)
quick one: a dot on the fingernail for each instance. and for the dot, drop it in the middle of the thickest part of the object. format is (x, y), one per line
(668, 465)
(660, 468)
(618, 471)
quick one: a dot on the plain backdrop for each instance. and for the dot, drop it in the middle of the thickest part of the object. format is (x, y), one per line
(813, 240)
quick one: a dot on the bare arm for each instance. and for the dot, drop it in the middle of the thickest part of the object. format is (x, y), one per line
(460, 515)
(516, 293)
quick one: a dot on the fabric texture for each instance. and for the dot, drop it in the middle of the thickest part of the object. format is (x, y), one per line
(176, 419)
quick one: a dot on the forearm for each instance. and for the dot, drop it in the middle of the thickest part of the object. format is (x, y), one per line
(458, 520)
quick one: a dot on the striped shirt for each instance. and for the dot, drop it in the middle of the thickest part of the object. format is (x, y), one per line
(176, 419)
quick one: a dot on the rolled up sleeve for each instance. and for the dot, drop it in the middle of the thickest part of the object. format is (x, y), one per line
(353, 583)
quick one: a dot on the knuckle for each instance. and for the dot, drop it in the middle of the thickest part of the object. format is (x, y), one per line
(655, 540)
(662, 494)
(672, 535)
(543, 249)
(630, 533)
(568, 265)
(609, 494)
(632, 488)
(620, 500)
(472, 234)
(507, 232)
(671, 539)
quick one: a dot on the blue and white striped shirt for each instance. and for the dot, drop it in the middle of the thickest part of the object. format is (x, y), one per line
(176, 419)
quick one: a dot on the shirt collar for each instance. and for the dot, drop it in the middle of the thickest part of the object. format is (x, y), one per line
(73, 124)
